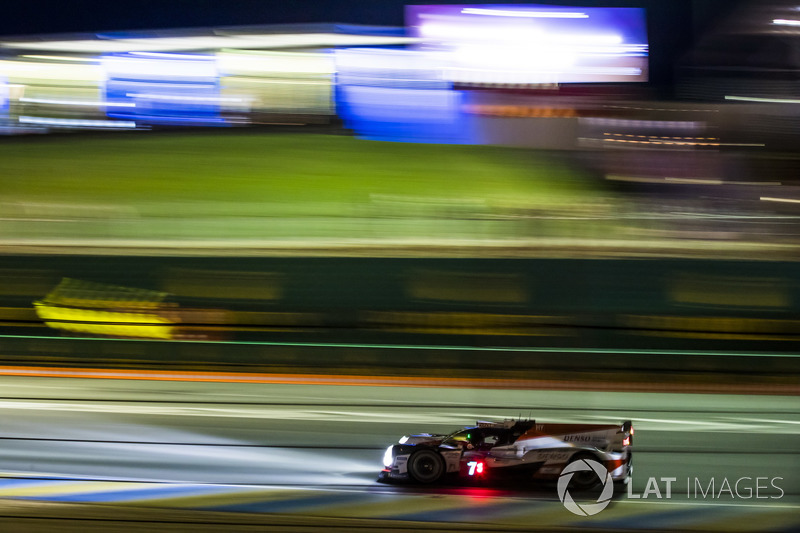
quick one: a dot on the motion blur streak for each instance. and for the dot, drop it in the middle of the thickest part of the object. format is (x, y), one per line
(216, 77)
(315, 450)
(384, 381)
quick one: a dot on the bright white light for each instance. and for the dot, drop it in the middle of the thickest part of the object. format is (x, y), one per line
(765, 100)
(488, 53)
(97, 103)
(460, 32)
(518, 13)
(198, 67)
(583, 38)
(517, 59)
(464, 75)
(786, 22)
(76, 123)
(448, 32)
(784, 200)
(388, 459)
(162, 55)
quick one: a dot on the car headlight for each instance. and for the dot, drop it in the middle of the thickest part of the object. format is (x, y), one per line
(388, 457)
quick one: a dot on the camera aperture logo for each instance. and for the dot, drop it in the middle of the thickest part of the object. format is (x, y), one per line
(587, 468)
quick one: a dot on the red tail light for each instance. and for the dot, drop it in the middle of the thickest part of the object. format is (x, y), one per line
(626, 441)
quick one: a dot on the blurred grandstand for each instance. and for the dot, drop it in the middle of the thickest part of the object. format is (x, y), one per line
(721, 157)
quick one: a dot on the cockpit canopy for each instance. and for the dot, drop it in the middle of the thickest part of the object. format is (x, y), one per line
(486, 436)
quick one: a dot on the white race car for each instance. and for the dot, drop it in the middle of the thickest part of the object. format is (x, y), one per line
(514, 450)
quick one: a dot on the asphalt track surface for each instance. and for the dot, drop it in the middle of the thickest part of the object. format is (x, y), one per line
(310, 454)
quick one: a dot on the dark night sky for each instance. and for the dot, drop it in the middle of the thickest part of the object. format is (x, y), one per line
(672, 24)
(54, 16)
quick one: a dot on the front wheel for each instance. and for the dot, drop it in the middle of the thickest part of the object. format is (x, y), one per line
(426, 466)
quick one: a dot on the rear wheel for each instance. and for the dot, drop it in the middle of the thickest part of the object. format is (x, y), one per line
(426, 466)
(585, 478)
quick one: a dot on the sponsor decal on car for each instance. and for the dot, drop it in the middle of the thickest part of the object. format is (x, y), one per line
(578, 438)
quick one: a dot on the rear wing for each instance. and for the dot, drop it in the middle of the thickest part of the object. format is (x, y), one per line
(627, 433)
(607, 436)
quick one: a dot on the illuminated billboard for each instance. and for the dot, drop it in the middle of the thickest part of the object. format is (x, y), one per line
(528, 44)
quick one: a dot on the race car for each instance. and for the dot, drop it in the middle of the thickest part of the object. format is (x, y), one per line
(514, 450)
